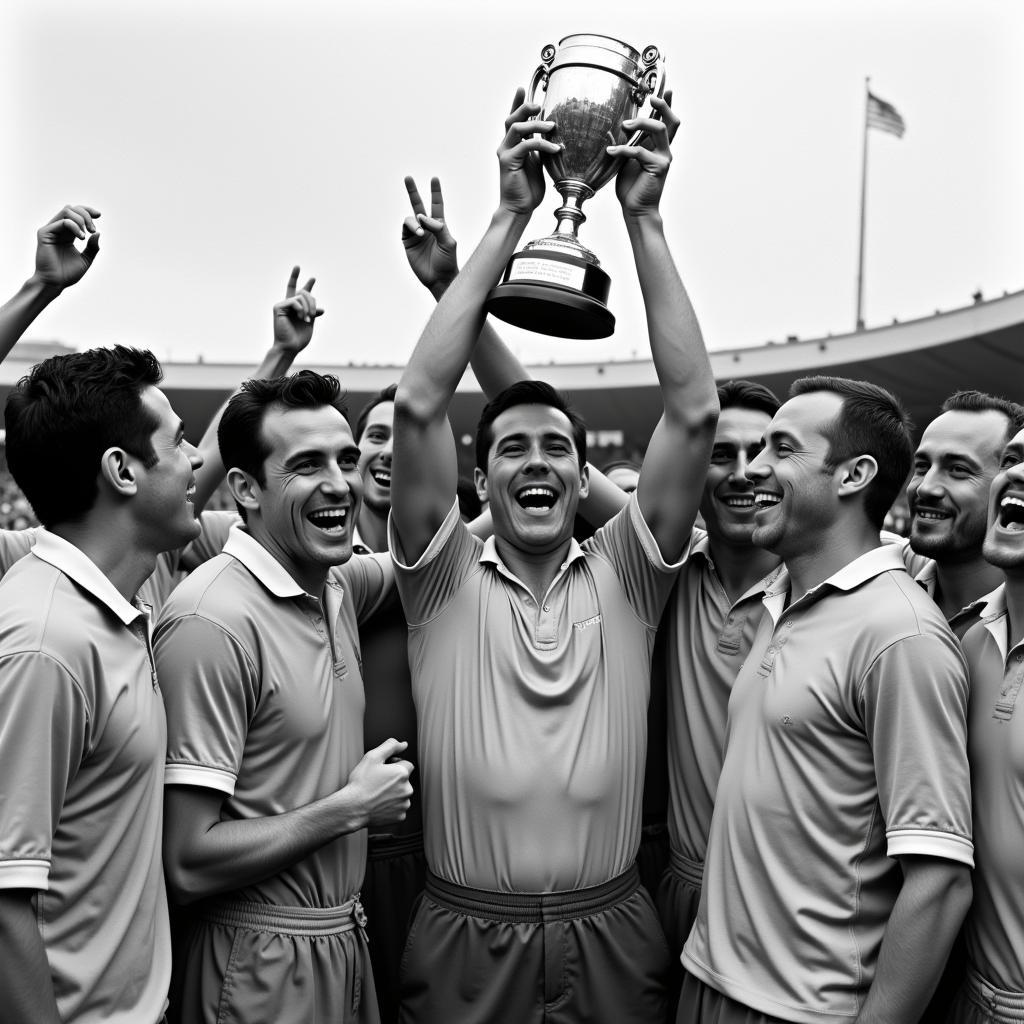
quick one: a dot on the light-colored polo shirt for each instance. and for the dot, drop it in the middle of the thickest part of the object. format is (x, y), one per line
(845, 749)
(533, 717)
(264, 692)
(15, 545)
(171, 566)
(81, 783)
(995, 923)
(926, 573)
(708, 639)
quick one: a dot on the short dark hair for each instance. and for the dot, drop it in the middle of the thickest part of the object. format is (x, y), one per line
(748, 394)
(384, 395)
(870, 422)
(527, 392)
(66, 413)
(240, 432)
(979, 401)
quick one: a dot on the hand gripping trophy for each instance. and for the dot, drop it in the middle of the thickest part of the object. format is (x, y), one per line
(591, 84)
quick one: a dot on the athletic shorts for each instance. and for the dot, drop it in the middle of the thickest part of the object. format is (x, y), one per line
(677, 902)
(595, 955)
(701, 1004)
(978, 1002)
(396, 871)
(255, 963)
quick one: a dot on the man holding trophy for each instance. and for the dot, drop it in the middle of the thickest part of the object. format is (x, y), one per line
(530, 654)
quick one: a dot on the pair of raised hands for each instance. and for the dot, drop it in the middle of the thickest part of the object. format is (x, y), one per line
(429, 245)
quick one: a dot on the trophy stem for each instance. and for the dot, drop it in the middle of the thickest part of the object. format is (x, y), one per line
(570, 215)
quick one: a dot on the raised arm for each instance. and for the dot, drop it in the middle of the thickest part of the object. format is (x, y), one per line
(425, 471)
(677, 456)
(59, 265)
(294, 318)
(431, 249)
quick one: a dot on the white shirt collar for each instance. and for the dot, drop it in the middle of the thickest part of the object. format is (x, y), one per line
(261, 563)
(78, 566)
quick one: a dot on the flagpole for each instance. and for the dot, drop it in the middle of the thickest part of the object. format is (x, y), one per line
(863, 204)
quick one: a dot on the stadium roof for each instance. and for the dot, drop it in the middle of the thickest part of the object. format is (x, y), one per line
(923, 361)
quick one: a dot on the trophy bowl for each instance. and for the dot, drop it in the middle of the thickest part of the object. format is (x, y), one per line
(590, 85)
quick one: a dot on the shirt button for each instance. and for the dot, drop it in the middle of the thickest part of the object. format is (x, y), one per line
(547, 608)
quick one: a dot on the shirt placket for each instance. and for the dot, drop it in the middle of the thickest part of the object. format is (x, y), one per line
(320, 616)
(1013, 678)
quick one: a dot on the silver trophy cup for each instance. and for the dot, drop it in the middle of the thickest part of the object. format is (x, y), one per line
(590, 85)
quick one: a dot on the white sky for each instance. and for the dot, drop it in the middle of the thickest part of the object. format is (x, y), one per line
(225, 140)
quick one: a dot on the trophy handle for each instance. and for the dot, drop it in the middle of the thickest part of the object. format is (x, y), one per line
(540, 75)
(652, 83)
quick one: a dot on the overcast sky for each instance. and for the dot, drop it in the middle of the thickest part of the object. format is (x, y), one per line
(226, 140)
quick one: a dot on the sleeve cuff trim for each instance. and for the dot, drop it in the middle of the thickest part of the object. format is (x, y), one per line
(930, 843)
(200, 775)
(25, 874)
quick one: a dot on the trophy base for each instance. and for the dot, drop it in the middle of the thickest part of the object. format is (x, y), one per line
(554, 294)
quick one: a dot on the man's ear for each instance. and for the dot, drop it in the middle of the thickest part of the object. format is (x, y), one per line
(584, 480)
(244, 489)
(480, 481)
(118, 472)
(855, 474)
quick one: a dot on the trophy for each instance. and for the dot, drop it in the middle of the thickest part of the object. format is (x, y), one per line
(591, 84)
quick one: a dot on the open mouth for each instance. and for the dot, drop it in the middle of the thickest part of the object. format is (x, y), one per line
(1011, 514)
(931, 515)
(537, 498)
(381, 477)
(766, 499)
(740, 502)
(330, 520)
(190, 493)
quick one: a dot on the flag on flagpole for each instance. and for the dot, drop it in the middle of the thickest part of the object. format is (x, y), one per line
(884, 116)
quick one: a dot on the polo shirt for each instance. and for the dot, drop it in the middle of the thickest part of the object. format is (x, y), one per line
(995, 923)
(708, 638)
(264, 693)
(15, 544)
(81, 739)
(845, 749)
(171, 566)
(532, 716)
(926, 573)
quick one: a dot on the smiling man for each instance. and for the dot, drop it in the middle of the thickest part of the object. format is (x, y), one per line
(269, 793)
(948, 497)
(101, 455)
(531, 654)
(838, 859)
(994, 649)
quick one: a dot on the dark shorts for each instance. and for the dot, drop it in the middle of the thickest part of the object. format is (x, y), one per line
(677, 902)
(395, 874)
(258, 964)
(594, 955)
(701, 1004)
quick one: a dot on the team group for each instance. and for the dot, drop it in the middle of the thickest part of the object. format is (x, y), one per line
(387, 758)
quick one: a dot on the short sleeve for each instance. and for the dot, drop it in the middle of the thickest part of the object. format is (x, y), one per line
(44, 721)
(211, 692)
(914, 704)
(628, 544)
(369, 582)
(428, 585)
